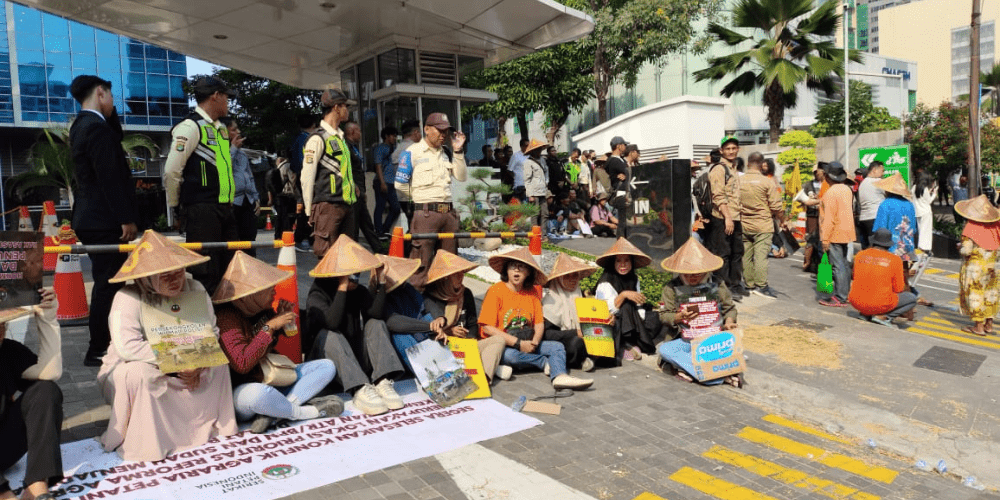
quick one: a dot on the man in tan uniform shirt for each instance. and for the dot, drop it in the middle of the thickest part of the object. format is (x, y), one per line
(725, 232)
(761, 203)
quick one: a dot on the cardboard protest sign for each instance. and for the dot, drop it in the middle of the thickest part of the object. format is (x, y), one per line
(440, 374)
(20, 268)
(180, 332)
(595, 323)
(467, 351)
(717, 355)
(705, 300)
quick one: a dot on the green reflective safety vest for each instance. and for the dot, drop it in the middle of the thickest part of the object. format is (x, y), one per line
(572, 171)
(208, 173)
(334, 177)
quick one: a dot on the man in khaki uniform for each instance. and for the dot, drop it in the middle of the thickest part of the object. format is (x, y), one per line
(760, 204)
(725, 232)
(328, 188)
(431, 168)
(199, 177)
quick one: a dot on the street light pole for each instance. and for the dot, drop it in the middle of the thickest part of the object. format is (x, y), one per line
(847, 89)
(974, 92)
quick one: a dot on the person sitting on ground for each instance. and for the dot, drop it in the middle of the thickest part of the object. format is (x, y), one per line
(692, 265)
(512, 309)
(154, 414)
(249, 329)
(559, 308)
(446, 297)
(978, 280)
(30, 423)
(634, 333)
(879, 290)
(405, 316)
(602, 222)
(338, 312)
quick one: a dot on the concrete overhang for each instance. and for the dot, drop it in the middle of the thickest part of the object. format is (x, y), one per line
(306, 43)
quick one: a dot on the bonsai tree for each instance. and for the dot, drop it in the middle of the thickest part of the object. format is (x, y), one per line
(486, 212)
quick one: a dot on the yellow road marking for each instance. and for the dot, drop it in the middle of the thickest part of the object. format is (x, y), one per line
(714, 486)
(648, 496)
(931, 270)
(785, 475)
(952, 276)
(944, 327)
(784, 422)
(946, 336)
(820, 455)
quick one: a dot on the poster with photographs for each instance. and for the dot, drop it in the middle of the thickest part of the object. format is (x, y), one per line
(441, 375)
(20, 268)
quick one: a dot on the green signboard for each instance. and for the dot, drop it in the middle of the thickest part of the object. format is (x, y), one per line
(895, 159)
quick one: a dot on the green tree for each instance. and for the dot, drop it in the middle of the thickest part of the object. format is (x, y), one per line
(787, 44)
(939, 140)
(266, 110)
(631, 33)
(865, 115)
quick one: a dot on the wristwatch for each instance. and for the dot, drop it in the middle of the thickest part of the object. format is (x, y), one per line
(266, 328)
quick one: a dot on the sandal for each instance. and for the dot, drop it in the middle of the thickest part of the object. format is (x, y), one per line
(684, 376)
(969, 329)
(924, 302)
(988, 326)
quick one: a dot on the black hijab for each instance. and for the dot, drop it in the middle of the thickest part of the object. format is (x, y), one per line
(618, 281)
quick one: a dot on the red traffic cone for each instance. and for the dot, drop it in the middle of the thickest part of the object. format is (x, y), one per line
(289, 344)
(68, 282)
(396, 244)
(268, 226)
(50, 226)
(24, 222)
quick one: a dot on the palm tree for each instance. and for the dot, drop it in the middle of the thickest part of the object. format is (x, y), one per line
(788, 45)
(992, 80)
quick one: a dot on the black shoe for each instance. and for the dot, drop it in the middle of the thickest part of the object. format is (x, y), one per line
(92, 359)
(765, 291)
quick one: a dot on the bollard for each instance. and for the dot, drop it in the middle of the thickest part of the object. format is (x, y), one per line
(535, 243)
(289, 344)
(396, 245)
(50, 227)
(800, 226)
(68, 283)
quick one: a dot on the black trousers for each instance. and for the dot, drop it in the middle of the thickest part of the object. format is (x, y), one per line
(576, 350)
(246, 224)
(209, 222)
(363, 222)
(40, 404)
(730, 248)
(103, 266)
(284, 220)
(621, 208)
(865, 228)
(602, 231)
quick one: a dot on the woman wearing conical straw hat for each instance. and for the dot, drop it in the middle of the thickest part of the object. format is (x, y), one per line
(154, 414)
(559, 308)
(339, 313)
(445, 296)
(897, 214)
(978, 280)
(407, 320)
(619, 287)
(248, 330)
(693, 265)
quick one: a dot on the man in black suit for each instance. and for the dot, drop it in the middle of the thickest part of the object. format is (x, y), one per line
(104, 210)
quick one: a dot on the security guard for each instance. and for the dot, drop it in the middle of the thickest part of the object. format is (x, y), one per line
(328, 188)
(199, 176)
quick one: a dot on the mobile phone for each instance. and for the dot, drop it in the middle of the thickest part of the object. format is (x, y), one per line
(691, 308)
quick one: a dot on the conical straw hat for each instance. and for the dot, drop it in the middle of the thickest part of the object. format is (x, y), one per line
(397, 270)
(13, 313)
(978, 209)
(345, 258)
(692, 258)
(155, 254)
(535, 144)
(520, 254)
(446, 263)
(567, 264)
(894, 184)
(624, 247)
(247, 276)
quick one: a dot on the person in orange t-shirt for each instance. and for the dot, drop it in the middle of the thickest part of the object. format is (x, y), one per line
(879, 290)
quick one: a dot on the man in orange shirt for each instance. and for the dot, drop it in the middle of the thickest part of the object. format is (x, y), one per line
(879, 290)
(836, 230)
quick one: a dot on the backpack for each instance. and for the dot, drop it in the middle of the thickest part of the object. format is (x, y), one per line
(701, 190)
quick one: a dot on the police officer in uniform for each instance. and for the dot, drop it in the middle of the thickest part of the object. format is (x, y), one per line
(328, 189)
(199, 176)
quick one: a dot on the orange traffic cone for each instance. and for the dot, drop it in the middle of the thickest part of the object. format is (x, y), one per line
(24, 223)
(396, 243)
(268, 226)
(50, 226)
(800, 226)
(69, 287)
(289, 344)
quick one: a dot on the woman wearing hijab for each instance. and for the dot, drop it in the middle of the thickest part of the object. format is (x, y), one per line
(512, 310)
(692, 264)
(978, 282)
(248, 330)
(406, 316)
(562, 323)
(446, 297)
(339, 311)
(619, 287)
(154, 414)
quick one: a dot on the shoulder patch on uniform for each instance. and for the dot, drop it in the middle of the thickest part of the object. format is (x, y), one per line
(308, 155)
(180, 143)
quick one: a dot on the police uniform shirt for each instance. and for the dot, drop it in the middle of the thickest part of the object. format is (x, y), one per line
(185, 139)
(432, 173)
(310, 162)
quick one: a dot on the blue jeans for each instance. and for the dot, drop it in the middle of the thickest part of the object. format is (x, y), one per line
(404, 341)
(550, 351)
(907, 301)
(255, 398)
(841, 270)
(383, 226)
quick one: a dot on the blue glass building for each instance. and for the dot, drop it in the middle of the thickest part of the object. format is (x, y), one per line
(40, 55)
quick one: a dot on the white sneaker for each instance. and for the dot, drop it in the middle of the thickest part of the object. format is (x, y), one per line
(565, 381)
(367, 401)
(504, 372)
(546, 370)
(388, 394)
(588, 365)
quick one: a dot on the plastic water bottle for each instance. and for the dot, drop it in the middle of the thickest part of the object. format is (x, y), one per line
(872, 443)
(922, 465)
(970, 481)
(942, 467)
(519, 404)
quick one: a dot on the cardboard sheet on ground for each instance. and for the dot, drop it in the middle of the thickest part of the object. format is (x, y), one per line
(300, 457)
(595, 319)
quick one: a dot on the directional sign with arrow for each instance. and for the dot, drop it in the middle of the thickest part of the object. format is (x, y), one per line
(895, 158)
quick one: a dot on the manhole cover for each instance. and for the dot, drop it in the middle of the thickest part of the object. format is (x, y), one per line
(951, 361)
(803, 325)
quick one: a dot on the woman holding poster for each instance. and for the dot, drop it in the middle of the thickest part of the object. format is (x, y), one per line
(165, 375)
(559, 308)
(696, 305)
